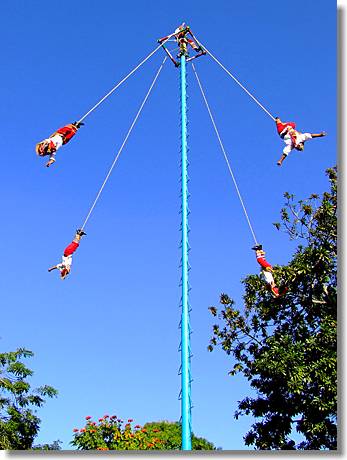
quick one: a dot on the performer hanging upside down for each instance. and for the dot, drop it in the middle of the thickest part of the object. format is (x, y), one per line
(61, 137)
(266, 270)
(292, 138)
(65, 266)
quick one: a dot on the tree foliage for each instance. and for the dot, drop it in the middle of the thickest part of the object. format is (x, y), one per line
(112, 433)
(19, 423)
(55, 445)
(170, 434)
(286, 347)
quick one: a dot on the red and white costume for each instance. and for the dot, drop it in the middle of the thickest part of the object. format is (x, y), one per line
(60, 137)
(266, 270)
(65, 266)
(290, 136)
(181, 34)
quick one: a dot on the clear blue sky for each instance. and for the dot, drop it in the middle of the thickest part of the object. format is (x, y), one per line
(107, 337)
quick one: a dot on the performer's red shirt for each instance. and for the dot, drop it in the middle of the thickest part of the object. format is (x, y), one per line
(67, 132)
(282, 126)
(263, 262)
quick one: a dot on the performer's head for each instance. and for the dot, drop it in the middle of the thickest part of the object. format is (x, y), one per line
(42, 148)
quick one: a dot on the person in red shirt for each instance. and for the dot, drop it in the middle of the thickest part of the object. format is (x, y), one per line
(65, 266)
(292, 138)
(181, 36)
(60, 137)
(266, 270)
(182, 39)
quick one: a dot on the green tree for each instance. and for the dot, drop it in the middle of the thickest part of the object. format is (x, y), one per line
(286, 347)
(170, 434)
(54, 446)
(19, 424)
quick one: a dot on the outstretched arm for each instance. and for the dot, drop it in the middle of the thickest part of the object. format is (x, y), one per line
(52, 268)
(322, 134)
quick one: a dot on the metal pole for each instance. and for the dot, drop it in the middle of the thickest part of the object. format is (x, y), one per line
(185, 327)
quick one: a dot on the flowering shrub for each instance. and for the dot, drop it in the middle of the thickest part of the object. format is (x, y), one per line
(110, 433)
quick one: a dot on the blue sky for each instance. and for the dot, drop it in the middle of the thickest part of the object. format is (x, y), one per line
(107, 337)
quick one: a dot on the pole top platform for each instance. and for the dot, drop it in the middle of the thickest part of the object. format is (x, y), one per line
(185, 44)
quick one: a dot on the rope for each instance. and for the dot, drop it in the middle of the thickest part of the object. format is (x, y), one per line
(118, 84)
(237, 81)
(123, 144)
(225, 155)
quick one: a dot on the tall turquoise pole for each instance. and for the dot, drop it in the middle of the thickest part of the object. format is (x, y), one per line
(185, 326)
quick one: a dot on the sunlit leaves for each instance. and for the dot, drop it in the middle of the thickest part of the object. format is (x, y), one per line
(286, 347)
(19, 424)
